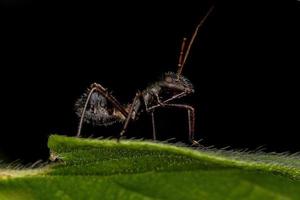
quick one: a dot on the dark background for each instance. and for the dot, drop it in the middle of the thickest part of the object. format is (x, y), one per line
(243, 65)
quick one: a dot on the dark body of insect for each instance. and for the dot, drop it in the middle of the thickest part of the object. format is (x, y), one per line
(99, 107)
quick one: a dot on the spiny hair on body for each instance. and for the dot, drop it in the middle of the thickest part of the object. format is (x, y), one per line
(180, 78)
(99, 111)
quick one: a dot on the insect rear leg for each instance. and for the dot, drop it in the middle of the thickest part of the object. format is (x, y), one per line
(84, 110)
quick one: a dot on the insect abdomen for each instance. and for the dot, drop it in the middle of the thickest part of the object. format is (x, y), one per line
(99, 111)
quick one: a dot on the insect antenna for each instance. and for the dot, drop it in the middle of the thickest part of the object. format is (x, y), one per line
(181, 56)
(181, 64)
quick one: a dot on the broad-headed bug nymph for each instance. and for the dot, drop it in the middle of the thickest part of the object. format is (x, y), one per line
(99, 107)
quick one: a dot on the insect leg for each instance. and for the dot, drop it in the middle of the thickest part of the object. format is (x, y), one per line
(153, 125)
(161, 104)
(84, 110)
(191, 119)
(110, 98)
(130, 114)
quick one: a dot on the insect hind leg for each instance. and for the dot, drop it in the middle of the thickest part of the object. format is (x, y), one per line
(84, 110)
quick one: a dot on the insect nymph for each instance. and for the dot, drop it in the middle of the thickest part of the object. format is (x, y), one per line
(99, 107)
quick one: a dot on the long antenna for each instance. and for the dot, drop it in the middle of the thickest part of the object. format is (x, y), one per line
(192, 40)
(181, 55)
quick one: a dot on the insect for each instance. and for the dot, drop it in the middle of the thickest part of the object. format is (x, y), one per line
(99, 107)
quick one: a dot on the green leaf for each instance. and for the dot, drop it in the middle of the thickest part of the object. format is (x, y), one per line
(107, 169)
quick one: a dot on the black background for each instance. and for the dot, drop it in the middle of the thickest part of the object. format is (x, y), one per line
(243, 65)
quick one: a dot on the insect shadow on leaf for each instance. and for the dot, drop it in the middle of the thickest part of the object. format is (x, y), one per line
(98, 107)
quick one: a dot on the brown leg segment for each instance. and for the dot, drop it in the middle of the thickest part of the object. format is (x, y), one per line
(83, 111)
(153, 125)
(129, 116)
(178, 96)
(191, 118)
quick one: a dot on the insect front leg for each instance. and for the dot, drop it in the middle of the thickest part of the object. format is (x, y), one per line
(191, 119)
